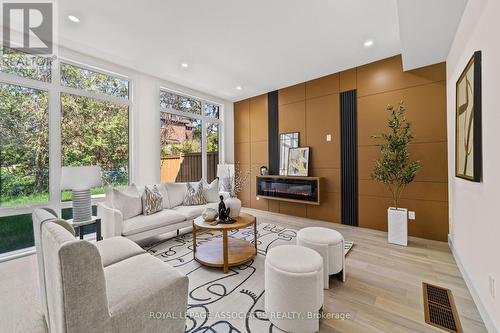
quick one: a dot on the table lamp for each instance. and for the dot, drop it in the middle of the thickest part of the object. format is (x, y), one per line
(80, 180)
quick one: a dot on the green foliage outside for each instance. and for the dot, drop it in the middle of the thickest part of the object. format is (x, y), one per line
(95, 133)
(24, 154)
(213, 142)
(44, 197)
(80, 78)
(32, 67)
(394, 168)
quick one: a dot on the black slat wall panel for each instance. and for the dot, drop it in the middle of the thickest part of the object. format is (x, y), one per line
(273, 133)
(349, 157)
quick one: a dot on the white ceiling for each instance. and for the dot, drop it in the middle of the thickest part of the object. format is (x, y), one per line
(427, 28)
(260, 45)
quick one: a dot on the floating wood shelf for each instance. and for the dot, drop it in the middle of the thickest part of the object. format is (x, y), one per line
(304, 190)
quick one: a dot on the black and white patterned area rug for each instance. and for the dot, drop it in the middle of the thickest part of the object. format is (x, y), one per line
(232, 302)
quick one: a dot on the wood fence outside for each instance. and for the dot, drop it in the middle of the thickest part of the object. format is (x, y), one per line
(187, 167)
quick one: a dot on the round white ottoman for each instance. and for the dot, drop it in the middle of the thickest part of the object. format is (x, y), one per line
(294, 288)
(329, 244)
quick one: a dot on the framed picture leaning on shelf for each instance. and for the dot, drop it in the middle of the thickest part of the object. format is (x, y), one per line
(298, 161)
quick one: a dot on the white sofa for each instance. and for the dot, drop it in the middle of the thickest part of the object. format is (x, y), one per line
(174, 215)
(109, 286)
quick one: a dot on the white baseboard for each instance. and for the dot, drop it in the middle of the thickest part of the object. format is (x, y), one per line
(488, 321)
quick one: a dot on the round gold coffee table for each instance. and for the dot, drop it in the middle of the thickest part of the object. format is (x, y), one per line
(228, 251)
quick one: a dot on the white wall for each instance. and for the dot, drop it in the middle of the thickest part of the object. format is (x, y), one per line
(145, 118)
(474, 216)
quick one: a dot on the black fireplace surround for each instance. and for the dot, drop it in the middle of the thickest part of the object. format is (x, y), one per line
(290, 188)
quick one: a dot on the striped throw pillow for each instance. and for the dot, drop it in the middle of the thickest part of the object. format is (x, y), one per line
(194, 196)
(152, 201)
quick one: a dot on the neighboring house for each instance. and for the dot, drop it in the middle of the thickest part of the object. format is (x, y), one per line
(175, 129)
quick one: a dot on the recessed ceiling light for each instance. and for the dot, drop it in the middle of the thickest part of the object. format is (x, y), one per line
(239, 88)
(73, 18)
(184, 65)
(368, 43)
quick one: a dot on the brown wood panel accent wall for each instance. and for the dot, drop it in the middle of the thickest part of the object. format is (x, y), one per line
(312, 108)
(251, 145)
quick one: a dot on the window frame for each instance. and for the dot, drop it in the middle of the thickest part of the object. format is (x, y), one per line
(205, 120)
(99, 96)
(54, 88)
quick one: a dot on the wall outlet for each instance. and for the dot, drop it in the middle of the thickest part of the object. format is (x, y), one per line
(328, 137)
(492, 286)
(411, 215)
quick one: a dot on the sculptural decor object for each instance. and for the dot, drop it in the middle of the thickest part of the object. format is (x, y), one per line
(224, 213)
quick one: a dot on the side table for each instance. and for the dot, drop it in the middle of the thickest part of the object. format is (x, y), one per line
(81, 224)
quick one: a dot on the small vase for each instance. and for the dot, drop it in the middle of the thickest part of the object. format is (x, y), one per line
(209, 214)
(234, 204)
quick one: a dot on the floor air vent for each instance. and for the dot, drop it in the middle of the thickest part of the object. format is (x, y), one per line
(440, 310)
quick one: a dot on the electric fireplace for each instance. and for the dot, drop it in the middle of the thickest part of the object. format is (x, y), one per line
(295, 189)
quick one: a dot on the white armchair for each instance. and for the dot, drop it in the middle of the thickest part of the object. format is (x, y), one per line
(109, 286)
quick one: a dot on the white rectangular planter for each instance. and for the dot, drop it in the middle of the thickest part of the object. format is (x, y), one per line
(398, 225)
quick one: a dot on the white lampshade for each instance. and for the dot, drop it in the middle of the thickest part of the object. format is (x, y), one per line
(80, 178)
(225, 170)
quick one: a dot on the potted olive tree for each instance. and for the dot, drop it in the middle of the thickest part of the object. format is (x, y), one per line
(395, 169)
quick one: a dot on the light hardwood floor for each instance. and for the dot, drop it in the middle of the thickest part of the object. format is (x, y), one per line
(383, 291)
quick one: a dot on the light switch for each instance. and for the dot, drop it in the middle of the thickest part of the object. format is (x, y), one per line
(411, 215)
(328, 137)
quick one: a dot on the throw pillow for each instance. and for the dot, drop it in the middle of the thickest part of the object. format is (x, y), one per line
(176, 193)
(163, 191)
(211, 190)
(152, 201)
(128, 203)
(194, 196)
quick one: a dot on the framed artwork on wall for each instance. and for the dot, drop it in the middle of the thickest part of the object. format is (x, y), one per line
(287, 141)
(468, 150)
(298, 162)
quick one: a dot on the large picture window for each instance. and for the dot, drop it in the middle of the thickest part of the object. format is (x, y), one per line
(93, 109)
(189, 138)
(94, 130)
